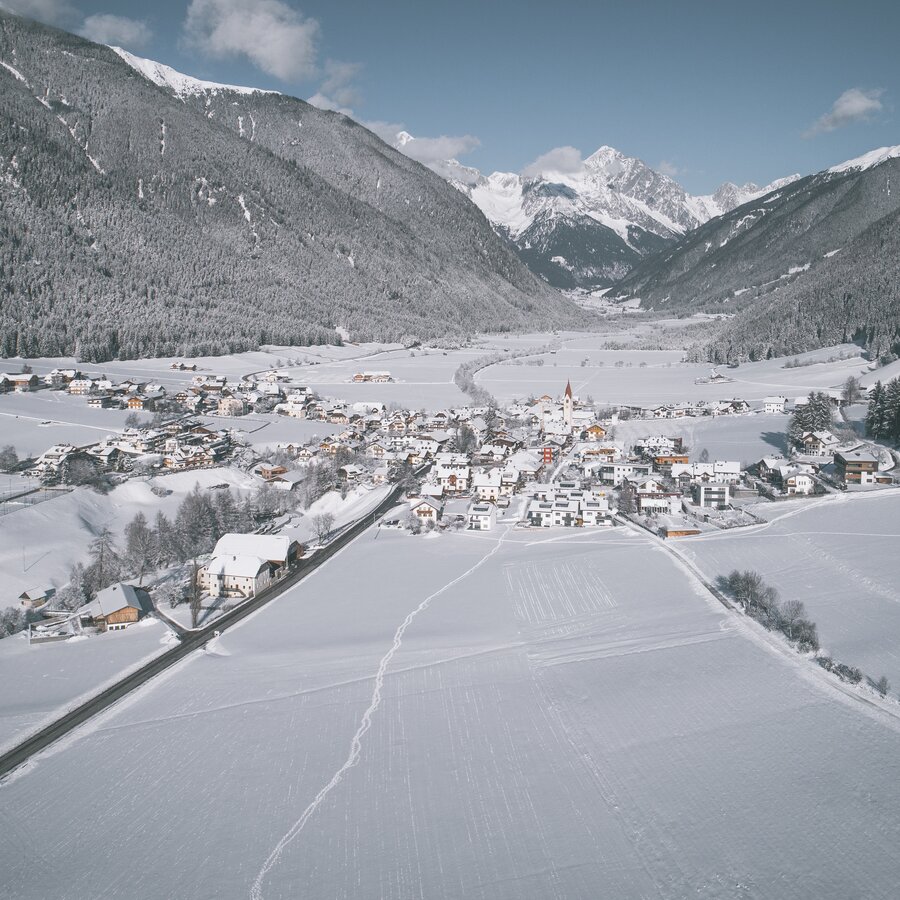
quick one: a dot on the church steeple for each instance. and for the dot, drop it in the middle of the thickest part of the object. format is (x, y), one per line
(568, 403)
(569, 389)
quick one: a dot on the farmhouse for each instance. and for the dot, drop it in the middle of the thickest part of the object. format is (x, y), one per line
(774, 404)
(34, 597)
(235, 576)
(818, 443)
(426, 510)
(277, 549)
(117, 607)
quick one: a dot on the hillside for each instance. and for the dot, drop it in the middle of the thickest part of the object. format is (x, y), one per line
(138, 218)
(812, 263)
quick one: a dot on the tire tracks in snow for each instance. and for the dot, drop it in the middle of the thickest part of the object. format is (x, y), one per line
(365, 723)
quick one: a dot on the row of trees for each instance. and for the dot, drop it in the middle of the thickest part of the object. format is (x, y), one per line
(761, 601)
(883, 416)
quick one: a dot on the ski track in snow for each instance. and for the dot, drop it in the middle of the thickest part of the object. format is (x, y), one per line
(365, 723)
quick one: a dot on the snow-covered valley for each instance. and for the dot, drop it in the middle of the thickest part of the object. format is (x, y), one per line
(548, 725)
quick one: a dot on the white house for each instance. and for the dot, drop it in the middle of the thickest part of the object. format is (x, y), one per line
(481, 516)
(711, 495)
(774, 404)
(426, 509)
(235, 576)
(487, 485)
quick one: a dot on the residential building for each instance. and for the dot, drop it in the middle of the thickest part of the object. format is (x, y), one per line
(481, 516)
(711, 495)
(856, 467)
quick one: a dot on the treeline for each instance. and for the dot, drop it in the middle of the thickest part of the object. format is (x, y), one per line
(883, 415)
(761, 602)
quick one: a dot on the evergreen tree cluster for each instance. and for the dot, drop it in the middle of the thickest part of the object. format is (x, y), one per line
(817, 414)
(883, 415)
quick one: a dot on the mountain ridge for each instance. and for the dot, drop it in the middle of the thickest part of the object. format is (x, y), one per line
(135, 220)
(586, 229)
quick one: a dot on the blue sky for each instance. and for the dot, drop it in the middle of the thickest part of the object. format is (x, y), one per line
(707, 91)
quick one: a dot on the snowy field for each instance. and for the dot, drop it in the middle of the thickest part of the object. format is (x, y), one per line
(839, 556)
(482, 716)
(263, 431)
(424, 376)
(43, 680)
(650, 377)
(35, 421)
(40, 544)
(744, 438)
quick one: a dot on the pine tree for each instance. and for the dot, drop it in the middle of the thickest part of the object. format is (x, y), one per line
(140, 546)
(168, 549)
(875, 411)
(106, 565)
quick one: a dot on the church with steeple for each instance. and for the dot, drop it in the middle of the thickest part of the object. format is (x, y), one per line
(568, 406)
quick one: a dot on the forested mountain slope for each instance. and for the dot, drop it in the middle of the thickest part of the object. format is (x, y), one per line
(811, 263)
(853, 295)
(138, 221)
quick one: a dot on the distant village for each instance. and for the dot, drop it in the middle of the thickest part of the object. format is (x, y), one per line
(553, 461)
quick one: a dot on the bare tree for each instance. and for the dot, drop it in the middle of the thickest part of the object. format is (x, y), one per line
(882, 685)
(791, 613)
(852, 392)
(9, 459)
(140, 546)
(322, 525)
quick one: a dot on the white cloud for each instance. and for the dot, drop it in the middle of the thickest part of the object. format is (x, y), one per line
(436, 153)
(324, 102)
(337, 83)
(336, 91)
(668, 168)
(119, 31)
(561, 160)
(54, 12)
(273, 36)
(854, 105)
(387, 131)
(439, 149)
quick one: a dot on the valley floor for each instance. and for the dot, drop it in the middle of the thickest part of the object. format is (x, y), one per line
(479, 716)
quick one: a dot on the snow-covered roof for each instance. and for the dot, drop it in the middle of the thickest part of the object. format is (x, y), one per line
(236, 566)
(116, 597)
(271, 547)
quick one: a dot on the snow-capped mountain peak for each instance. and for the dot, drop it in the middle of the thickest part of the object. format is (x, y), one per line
(178, 83)
(867, 160)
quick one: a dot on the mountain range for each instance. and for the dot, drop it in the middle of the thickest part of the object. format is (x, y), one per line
(801, 263)
(588, 228)
(143, 212)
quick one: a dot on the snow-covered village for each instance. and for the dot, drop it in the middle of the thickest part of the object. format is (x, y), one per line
(447, 453)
